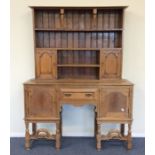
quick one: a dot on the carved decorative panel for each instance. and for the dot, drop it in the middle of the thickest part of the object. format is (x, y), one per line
(110, 61)
(46, 64)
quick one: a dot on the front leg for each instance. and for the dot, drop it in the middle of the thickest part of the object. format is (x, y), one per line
(98, 138)
(57, 135)
(27, 136)
(129, 142)
(95, 123)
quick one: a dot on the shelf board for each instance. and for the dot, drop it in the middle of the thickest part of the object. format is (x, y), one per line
(78, 78)
(80, 30)
(79, 7)
(80, 49)
(78, 65)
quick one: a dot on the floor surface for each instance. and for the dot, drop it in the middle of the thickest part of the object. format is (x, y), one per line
(76, 146)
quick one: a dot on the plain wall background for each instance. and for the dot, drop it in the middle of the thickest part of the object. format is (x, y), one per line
(76, 121)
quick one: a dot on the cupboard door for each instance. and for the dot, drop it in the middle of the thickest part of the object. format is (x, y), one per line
(40, 102)
(110, 62)
(115, 102)
(46, 64)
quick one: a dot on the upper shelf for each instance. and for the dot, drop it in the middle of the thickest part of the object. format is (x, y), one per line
(78, 7)
(80, 30)
(78, 49)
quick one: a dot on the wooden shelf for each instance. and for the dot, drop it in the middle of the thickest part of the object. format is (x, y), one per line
(81, 30)
(78, 65)
(78, 77)
(79, 7)
(80, 49)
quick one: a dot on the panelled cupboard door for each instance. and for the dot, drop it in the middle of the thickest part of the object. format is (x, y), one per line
(110, 63)
(46, 63)
(115, 102)
(40, 102)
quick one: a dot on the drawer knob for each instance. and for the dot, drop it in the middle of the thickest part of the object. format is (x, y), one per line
(122, 109)
(68, 94)
(88, 95)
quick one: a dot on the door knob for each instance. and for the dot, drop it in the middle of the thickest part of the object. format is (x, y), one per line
(122, 109)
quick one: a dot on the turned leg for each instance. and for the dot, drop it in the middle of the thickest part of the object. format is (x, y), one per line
(122, 127)
(57, 135)
(61, 123)
(98, 138)
(95, 123)
(27, 136)
(34, 128)
(129, 142)
(95, 126)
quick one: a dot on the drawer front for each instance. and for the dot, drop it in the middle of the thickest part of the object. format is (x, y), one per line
(79, 94)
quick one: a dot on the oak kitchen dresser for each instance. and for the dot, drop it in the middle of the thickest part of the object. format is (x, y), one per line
(78, 61)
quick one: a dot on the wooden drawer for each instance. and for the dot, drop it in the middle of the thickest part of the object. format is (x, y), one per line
(68, 94)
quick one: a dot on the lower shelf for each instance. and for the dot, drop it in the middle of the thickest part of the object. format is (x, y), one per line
(42, 134)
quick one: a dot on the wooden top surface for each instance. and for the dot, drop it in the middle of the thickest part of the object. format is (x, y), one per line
(80, 82)
(78, 7)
